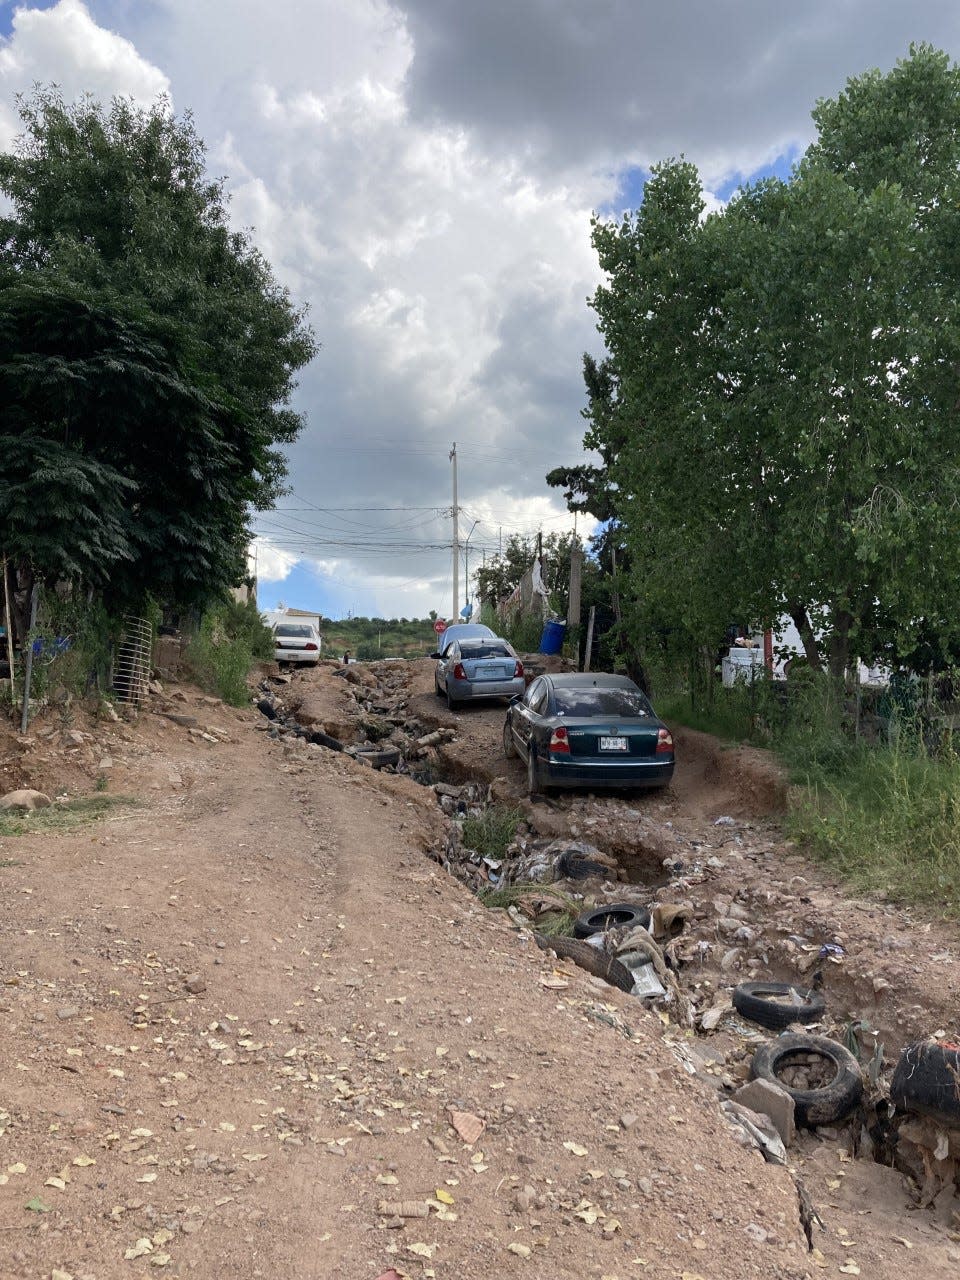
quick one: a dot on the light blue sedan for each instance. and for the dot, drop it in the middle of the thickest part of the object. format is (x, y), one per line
(478, 667)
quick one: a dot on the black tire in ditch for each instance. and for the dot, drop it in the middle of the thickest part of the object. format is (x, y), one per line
(927, 1080)
(778, 1004)
(509, 750)
(380, 757)
(610, 915)
(836, 1097)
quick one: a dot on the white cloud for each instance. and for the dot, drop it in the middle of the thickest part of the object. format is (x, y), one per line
(423, 174)
(270, 563)
(66, 46)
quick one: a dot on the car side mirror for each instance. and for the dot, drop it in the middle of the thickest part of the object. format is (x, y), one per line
(517, 697)
(434, 655)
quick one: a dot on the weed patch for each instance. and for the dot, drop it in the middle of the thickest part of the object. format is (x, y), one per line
(888, 821)
(553, 923)
(491, 833)
(61, 817)
(230, 640)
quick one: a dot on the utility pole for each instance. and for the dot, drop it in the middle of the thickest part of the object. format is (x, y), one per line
(456, 534)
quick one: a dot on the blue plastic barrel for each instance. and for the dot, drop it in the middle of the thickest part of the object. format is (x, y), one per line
(552, 639)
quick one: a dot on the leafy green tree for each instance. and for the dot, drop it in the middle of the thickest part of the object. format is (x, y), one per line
(783, 435)
(144, 347)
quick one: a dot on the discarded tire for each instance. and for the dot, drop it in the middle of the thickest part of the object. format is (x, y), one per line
(927, 1080)
(381, 758)
(266, 708)
(821, 1077)
(586, 957)
(323, 740)
(777, 1004)
(611, 915)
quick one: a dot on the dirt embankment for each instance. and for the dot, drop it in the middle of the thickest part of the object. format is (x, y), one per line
(253, 1029)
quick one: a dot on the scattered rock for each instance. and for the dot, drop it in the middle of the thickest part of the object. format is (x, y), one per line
(195, 984)
(768, 1099)
(188, 722)
(67, 1011)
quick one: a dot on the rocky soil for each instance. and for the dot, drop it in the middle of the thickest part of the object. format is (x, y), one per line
(259, 1024)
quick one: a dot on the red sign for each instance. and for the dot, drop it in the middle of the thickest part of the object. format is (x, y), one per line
(439, 626)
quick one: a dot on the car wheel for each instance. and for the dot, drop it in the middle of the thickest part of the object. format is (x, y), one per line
(452, 703)
(509, 750)
(441, 693)
(926, 1079)
(778, 1004)
(831, 1081)
(533, 773)
(611, 915)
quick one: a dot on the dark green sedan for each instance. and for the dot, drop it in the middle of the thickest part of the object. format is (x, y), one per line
(588, 730)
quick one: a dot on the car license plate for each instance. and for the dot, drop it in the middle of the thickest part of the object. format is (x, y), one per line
(613, 744)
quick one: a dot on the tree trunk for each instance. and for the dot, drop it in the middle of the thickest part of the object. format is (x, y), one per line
(20, 596)
(838, 645)
(800, 620)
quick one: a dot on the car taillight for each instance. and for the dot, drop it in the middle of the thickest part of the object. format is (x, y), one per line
(559, 743)
(458, 672)
(311, 645)
(518, 670)
(664, 743)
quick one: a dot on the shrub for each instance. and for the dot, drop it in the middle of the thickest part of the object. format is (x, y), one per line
(231, 639)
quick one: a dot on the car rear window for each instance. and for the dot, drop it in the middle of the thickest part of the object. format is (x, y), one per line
(623, 703)
(302, 633)
(476, 650)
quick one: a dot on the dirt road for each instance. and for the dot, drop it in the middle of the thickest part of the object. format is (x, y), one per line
(252, 1029)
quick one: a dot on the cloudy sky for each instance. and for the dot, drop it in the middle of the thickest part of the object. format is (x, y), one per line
(423, 174)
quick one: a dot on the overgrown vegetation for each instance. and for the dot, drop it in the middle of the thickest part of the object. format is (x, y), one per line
(73, 645)
(230, 640)
(61, 817)
(558, 920)
(888, 821)
(876, 789)
(491, 833)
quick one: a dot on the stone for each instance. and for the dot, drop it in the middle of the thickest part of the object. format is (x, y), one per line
(166, 656)
(106, 763)
(67, 1011)
(73, 738)
(195, 984)
(25, 799)
(188, 722)
(628, 1120)
(768, 1099)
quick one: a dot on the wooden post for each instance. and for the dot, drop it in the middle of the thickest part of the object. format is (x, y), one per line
(8, 616)
(576, 570)
(28, 657)
(589, 645)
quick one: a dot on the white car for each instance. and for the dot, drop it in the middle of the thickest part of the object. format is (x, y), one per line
(296, 642)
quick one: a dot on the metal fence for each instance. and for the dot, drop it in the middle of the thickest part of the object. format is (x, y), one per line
(131, 665)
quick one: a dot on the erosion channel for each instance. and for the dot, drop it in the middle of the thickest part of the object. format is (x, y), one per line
(731, 902)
